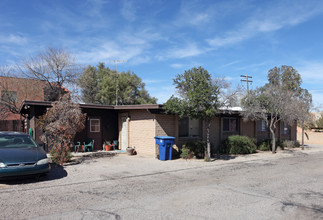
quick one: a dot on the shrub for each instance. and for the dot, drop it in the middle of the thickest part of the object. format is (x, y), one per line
(186, 153)
(280, 144)
(60, 124)
(237, 144)
(197, 147)
(290, 144)
(60, 154)
(265, 145)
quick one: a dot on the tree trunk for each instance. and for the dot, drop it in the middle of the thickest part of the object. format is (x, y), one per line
(273, 138)
(302, 135)
(208, 144)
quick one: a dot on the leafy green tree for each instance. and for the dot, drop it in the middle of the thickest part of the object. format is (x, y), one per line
(286, 77)
(89, 82)
(99, 86)
(282, 99)
(198, 99)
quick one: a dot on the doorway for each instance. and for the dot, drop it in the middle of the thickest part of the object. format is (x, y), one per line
(124, 133)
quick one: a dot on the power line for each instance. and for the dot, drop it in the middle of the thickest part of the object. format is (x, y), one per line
(116, 62)
(246, 80)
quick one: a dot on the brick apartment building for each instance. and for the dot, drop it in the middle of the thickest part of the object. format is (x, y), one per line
(137, 125)
(14, 91)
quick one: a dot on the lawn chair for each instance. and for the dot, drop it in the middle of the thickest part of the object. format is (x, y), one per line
(89, 146)
(115, 145)
(77, 146)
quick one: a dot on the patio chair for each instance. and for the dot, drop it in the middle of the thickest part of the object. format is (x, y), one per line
(89, 145)
(115, 145)
(77, 146)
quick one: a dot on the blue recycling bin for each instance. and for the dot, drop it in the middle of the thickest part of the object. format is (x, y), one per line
(165, 146)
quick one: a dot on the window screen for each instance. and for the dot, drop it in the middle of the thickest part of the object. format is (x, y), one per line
(95, 125)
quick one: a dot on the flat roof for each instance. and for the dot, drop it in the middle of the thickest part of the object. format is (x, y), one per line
(24, 106)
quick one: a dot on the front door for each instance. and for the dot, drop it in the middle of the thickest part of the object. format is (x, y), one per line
(94, 131)
(124, 133)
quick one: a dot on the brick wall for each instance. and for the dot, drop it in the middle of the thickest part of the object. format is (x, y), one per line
(11, 125)
(142, 131)
(247, 128)
(293, 134)
(27, 89)
(165, 125)
(214, 134)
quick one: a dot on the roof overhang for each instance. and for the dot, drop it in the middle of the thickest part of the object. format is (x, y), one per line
(25, 105)
(138, 107)
(24, 108)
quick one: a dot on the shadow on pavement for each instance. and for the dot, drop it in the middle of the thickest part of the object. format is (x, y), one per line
(56, 172)
(224, 157)
(89, 158)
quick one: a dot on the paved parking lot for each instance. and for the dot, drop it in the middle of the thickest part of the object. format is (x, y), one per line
(286, 185)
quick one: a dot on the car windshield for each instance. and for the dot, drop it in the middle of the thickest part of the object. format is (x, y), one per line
(16, 141)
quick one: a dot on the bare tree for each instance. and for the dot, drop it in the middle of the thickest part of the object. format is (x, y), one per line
(8, 103)
(14, 90)
(60, 124)
(55, 66)
(282, 99)
(271, 104)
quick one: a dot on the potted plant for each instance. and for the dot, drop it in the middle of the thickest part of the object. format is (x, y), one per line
(107, 145)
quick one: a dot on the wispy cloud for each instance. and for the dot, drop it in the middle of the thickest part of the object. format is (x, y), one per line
(188, 15)
(13, 39)
(310, 70)
(177, 65)
(268, 20)
(231, 63)
(135, 48)
(128, 10)
(109, 50)
(188, 50)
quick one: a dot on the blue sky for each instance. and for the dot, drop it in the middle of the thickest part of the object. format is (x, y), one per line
(161, 38)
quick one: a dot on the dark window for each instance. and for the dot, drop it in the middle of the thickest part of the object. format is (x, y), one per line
(95, 125)
(261, 125)
(284, 128)
(231, 124)
(183, 127)
(8, 96)
(188, 127)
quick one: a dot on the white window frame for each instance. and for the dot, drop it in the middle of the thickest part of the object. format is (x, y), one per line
(99, 125)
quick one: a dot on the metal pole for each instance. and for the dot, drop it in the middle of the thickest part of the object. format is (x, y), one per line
(117, 84)
(117, 75)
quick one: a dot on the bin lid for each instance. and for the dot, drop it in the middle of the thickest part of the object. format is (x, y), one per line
(165, 137)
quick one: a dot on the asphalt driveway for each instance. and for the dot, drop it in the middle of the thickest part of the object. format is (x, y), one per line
(286, 185)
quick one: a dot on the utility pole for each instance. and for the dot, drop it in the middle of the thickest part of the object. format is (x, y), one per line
(116, 62)
(246, 80)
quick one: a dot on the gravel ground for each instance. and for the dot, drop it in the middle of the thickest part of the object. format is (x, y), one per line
(286, 185)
